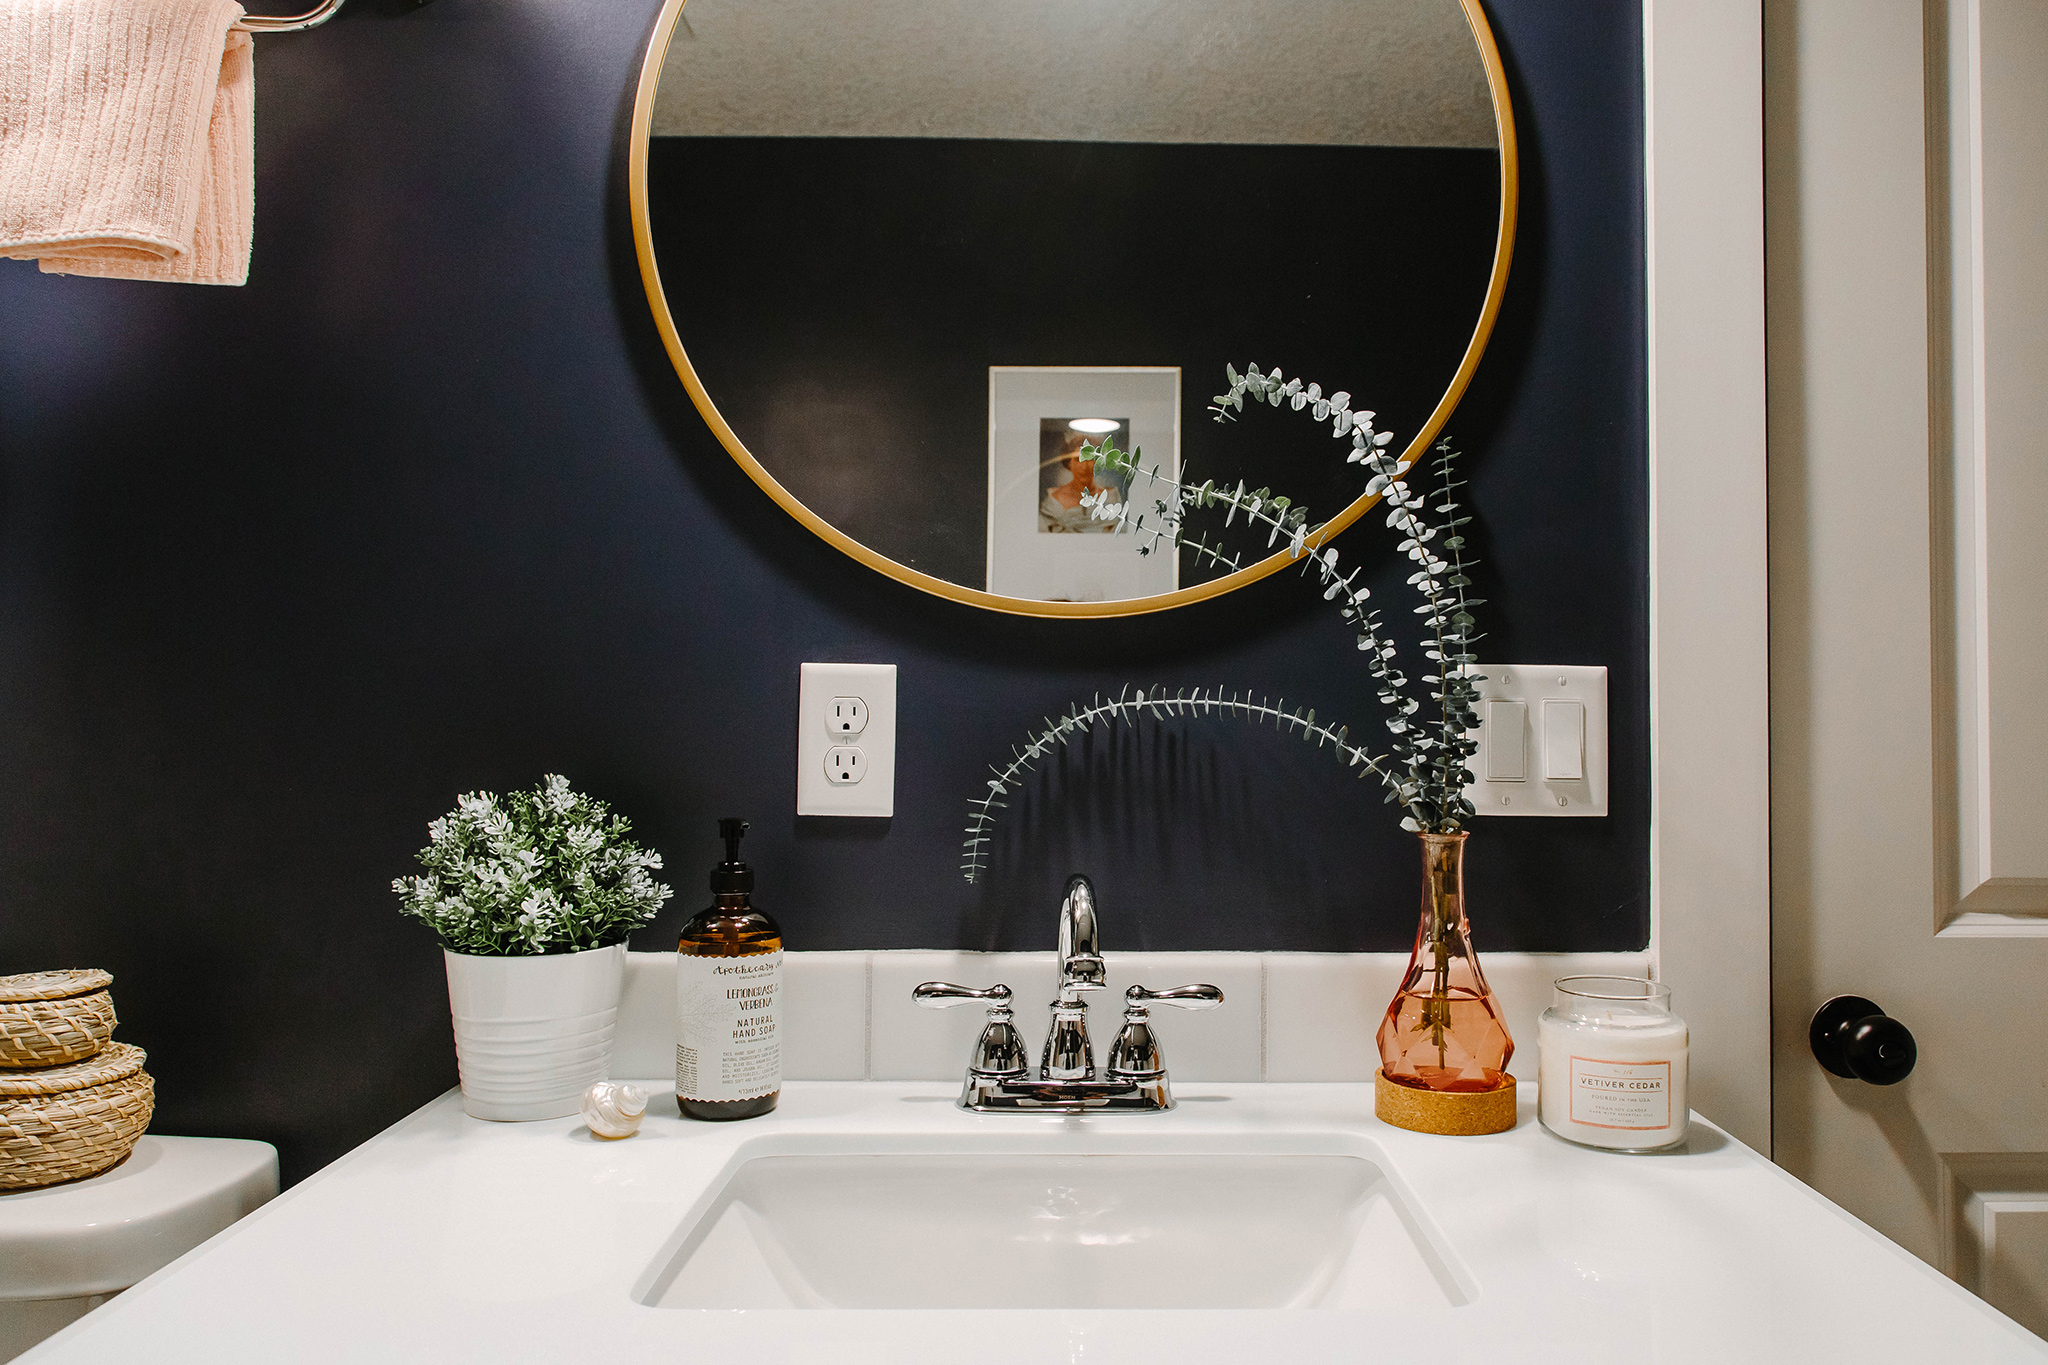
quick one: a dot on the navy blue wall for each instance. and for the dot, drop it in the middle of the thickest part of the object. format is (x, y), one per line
(423, 509)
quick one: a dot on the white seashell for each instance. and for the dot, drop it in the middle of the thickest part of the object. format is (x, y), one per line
(613, 1110)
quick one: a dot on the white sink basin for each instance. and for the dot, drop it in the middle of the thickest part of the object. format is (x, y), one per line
(967, 1228)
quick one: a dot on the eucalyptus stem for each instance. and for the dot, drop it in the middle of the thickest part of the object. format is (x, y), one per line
(1128, 706)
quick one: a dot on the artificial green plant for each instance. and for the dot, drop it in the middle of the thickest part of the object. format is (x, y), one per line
(532, 873)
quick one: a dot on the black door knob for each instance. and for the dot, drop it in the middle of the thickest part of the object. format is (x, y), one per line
(1852, 1038)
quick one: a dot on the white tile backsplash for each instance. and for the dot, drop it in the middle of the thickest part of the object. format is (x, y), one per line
(824, 1024)
(1285, 1016)
(644, 1047)
(1322, 1010)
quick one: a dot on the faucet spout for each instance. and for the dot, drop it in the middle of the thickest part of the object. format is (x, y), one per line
(1081, 966)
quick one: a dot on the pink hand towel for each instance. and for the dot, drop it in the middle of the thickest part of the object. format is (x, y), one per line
(127, 138)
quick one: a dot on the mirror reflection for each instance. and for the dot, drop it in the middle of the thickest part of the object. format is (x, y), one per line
(916, 250)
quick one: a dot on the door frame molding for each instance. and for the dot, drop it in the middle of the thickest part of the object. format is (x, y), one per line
(1709, 603)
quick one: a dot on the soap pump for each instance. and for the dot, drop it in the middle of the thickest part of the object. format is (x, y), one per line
(728, 994)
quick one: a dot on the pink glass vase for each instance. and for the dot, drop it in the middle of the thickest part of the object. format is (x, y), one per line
(1444, 1030)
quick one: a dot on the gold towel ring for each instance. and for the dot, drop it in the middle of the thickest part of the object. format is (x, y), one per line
(292, 23)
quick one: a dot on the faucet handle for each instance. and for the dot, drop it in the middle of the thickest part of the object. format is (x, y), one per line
(941, 995)
(1136, 1054)
(999, 1051)
(1180, 997)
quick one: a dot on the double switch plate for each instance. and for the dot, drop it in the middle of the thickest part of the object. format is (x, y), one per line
(846, 740)
(1542, 741)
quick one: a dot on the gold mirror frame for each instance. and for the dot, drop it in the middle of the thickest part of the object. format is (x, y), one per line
(664, 321)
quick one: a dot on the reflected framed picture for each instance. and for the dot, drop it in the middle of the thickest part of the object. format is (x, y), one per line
(1042, 543)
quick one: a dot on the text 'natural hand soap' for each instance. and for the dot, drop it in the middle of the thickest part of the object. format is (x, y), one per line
(728, 998)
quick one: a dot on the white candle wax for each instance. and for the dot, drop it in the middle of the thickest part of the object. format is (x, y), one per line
(1611, 1072)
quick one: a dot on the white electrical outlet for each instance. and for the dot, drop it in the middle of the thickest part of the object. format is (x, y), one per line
(845, 764)
(1542, 741)
(846, 740)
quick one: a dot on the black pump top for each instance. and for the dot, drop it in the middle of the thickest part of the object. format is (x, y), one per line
(732, 876)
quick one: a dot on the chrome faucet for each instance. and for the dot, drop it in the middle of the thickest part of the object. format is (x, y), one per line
(1134, 1079)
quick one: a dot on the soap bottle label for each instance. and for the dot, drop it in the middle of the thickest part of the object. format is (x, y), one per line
(1631, 1095)
(726, 1043)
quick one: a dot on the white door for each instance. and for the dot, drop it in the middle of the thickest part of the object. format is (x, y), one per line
(1907, 276)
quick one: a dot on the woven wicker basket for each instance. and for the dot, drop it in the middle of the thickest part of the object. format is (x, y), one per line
(54, 1018)
(69, 1122)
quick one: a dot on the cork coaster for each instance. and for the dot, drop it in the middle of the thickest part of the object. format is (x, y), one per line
(1446, 1113)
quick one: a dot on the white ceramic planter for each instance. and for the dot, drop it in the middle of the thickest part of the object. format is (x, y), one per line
(533, 1033)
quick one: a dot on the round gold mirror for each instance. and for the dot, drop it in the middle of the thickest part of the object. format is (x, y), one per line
(907, 255)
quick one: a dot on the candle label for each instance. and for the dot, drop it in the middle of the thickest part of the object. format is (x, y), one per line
(1631, 1095)
(726, 1046)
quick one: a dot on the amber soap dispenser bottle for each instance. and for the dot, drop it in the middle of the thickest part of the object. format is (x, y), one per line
(728, 998)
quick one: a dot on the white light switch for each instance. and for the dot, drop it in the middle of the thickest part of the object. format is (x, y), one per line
(1564, 741)
(846, 740)
(1542, 741)
(1507, 725)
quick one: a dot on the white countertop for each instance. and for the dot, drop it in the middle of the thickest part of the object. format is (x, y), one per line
(448, 1238)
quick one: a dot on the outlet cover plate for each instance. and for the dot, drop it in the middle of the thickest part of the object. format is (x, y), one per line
(1536, 794)
(818, 686)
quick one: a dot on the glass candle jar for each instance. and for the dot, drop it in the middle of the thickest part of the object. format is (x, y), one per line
(1610, 1064)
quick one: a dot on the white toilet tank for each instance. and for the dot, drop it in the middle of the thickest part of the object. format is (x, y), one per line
(66, 1249)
